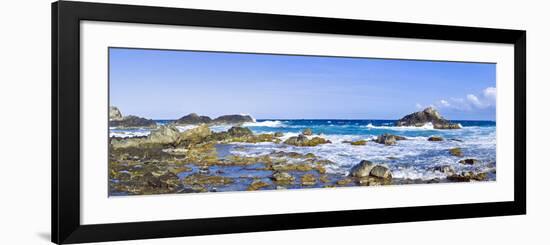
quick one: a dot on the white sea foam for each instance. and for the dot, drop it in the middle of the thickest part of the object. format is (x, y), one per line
(128, 134)
(271, 124)
(427, 126)
(185, 127)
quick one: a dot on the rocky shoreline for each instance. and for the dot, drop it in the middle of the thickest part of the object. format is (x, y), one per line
(197, 159)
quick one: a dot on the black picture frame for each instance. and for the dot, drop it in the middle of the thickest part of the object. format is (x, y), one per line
(66, 17)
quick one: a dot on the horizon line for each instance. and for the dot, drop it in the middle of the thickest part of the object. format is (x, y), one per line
(321, 119)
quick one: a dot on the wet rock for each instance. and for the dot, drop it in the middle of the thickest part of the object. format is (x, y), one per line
(388, 139)
(435, 138)
(468, 161)
(359, 142)
(292, 154)
(200, 179)
(456, 152)
(362, 169)
(467, 176)
(133, 122)
(373, 181)
(256, 185)
(345, 181)
(324, 178)
(292, 167)
(302, 140)
(114, 114)
(380, 171)
(282, 177)
(193, 119)
(446, 169)
(308, 179)
(180, 169)
(307, 132)
(278, 134)
(428, 115)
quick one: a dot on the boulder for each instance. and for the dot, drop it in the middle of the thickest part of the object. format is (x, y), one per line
(380, 171)
(428, 115)
(388, 139)
(362, 169)
(278, 134)
(457, 152)
(165, 134)
(233, 119)
(193, 119)
(133, 122)
(114, 114)
(195, 135)
(308, 179)
(282, 177)
(257, 184)
(468, 161)
(239, 132)
(307, 132)
(435, 138)
(302, 140)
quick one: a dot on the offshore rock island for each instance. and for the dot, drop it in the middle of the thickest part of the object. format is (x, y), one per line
(197, 153)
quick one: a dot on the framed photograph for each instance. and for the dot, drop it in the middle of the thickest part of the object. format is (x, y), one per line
(176, 122)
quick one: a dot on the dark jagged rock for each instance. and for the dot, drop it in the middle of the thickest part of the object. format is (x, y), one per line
(446, 169)
(468, 161)
(193, 118)
(428, 115)
(133, 122)
(114, 114)
(388, 139)
(233, 119)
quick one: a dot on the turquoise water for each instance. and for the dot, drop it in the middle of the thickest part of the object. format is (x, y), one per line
(413, 158)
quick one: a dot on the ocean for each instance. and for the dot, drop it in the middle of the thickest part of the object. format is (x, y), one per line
(413, 158)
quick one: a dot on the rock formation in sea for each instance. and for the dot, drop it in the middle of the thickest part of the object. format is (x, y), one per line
(117, 120)
(193, 118)
(233, 119)
(114, 114)
(428, 115)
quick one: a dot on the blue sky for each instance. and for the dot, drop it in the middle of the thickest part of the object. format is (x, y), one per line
(165, 84)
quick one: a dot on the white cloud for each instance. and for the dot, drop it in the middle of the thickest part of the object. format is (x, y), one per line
(474, 101)
(490, 93)
(486, 98)
(418, 106)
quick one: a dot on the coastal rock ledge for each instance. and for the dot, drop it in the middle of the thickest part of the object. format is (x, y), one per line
(428, 115)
